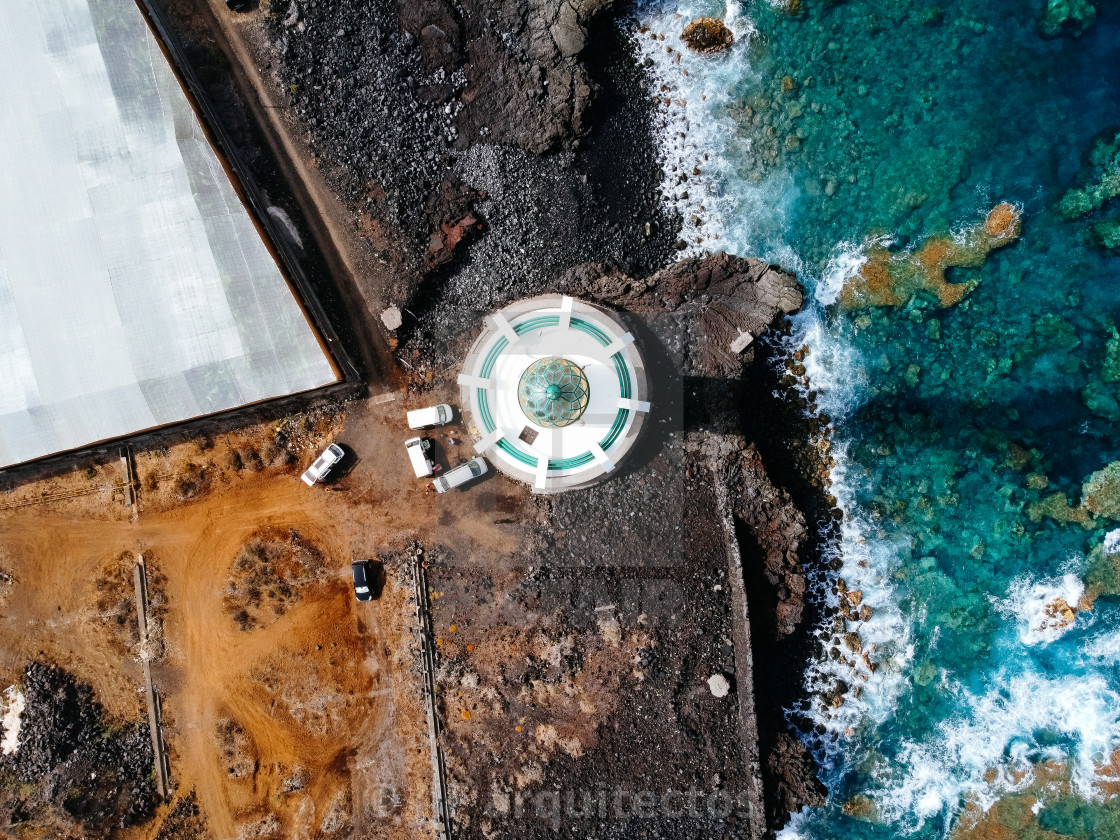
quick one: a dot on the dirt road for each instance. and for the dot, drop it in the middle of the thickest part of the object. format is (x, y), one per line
(311, 721)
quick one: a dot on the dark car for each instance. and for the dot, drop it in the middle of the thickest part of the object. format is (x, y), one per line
(363, 580)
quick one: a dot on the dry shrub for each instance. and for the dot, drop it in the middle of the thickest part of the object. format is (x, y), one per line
(269, 574)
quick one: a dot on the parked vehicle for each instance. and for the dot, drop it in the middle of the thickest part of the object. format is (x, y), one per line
(418, 453)
(460, 475)
(318, 471)
(427, 418)
(363, 579)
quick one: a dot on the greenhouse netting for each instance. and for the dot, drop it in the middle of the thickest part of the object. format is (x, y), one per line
(135, 289)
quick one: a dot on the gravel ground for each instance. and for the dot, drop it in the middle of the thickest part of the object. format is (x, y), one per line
(564, 676)
(76, 773)
(479, 184)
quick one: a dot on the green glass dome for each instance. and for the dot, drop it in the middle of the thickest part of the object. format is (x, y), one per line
(553, 392)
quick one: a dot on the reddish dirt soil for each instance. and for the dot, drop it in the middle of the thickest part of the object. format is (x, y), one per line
(311, 723)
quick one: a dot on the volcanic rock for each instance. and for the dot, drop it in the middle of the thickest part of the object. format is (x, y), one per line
(725, 296)
(780, 531)
(792, 767)
(892, 279)
(1058, 615)
(81, 766)
(1101, 491)
(707, 35)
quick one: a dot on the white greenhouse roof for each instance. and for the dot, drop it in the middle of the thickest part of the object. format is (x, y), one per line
(135, 289)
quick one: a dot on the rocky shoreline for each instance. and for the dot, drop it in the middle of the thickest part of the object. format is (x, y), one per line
(522, 157)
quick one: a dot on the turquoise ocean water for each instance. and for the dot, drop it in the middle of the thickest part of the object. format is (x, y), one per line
(956, 428)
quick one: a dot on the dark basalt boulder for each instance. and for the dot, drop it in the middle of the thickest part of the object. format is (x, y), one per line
(791, 770)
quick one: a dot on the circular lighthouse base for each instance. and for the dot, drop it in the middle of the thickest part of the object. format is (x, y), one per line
(549, 457)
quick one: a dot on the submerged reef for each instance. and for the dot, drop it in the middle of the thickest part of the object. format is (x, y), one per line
(793, 8)
(707, 35)
(1107, 234)
(1057, 507)
(892, 279)
(1066, 18)
(1101, 491)
(1100, 178)
(1102, 576)
(1048, 808)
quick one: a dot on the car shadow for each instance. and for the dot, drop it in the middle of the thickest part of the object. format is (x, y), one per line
(343, 468)
(377, 578)
(448, 457)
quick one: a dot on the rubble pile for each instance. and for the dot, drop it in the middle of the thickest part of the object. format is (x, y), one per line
(75, 769)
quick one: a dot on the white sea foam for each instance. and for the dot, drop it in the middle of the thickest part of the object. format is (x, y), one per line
(836, 369)
(12, 706)
(1037, 606)
(868, 561)
(797, 827)
(1112, 542)
(846, 261)
(990, 747)
(1104, 647)
(698, 131)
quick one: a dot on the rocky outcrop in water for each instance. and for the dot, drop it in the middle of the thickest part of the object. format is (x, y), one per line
(1101, 491)
(80, 770)
(887, 278)
(1066, 18)
(792, 768)
(707, 35)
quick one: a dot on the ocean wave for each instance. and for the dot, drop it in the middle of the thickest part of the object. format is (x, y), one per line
(697, 93)
(992, 746)
(846, 261)
(879, 679)
(1043, 610)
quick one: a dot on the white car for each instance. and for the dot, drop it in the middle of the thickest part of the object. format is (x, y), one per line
(418, 449)
(427, 418)
(460, 475)
(318, 471)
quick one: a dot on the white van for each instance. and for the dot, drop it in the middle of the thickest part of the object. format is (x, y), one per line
(460, 475)
(418, 449)
(427, 418)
